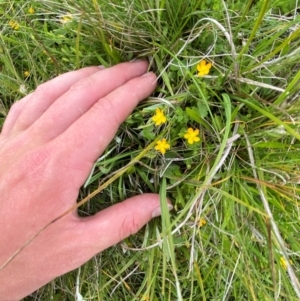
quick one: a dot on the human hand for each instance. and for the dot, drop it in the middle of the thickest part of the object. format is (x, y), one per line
(48, 145)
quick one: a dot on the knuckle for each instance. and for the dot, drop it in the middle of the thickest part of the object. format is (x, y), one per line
(107, 109)
(37, 160)
(43, 89)
(85, 85)
(130, 225)
(33, 169)
(15, 108)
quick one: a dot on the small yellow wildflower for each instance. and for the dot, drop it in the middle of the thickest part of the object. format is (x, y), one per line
(159, 117)
(192, 135)
(14, 25)
(202, 222)
(283, 262)
(31, 10)
(66, 19)
(162, 146)
(26, 73)
(146, 298)
(203, 68)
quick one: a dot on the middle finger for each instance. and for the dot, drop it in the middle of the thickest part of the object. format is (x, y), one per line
(82, 96)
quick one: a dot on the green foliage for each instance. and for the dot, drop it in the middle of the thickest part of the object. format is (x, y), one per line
(252, 90)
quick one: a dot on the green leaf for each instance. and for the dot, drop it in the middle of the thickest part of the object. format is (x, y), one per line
(202, 107)
(195, 116)
(148, 133)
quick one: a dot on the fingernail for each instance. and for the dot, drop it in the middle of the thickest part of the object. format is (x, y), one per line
(101, 67)
(157, 211)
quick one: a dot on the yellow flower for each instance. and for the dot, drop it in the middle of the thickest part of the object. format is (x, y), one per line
(192, 136)
(66, 19)
(26, 73)
(202, 222)
(31, 10)
(283, 262)
(159, 117)
(14, 25)
(203, 68)
(162, 146)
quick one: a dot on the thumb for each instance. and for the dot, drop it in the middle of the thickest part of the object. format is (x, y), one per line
(119, 221)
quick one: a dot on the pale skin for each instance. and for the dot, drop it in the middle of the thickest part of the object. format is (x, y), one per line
(48, 145)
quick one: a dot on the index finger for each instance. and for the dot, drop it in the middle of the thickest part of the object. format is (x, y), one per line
(81, 96)
(83, 142)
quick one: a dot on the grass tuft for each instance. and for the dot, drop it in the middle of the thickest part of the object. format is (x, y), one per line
(234, 232)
